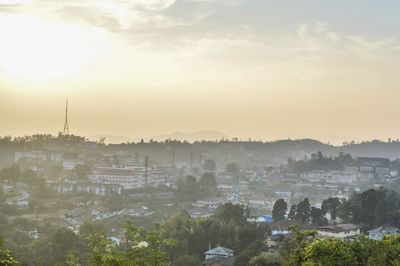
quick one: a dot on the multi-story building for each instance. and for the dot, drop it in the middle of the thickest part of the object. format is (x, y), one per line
(332, 177)
(131, 178)
(374, 166)
(38, 155)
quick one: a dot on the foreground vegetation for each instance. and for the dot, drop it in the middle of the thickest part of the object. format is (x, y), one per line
(148, 248)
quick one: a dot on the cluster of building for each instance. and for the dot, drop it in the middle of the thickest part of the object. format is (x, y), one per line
(363, 170)
(37, 156)
(135, 177)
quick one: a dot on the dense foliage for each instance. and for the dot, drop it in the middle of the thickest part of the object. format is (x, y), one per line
(308, 250)
(371, 208)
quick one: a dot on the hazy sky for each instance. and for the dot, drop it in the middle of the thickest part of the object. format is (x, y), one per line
(249, 68)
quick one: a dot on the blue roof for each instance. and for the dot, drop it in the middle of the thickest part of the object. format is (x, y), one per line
(267, 218)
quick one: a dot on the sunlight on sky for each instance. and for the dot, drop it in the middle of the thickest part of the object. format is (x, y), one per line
(39, 50)
(234, 66)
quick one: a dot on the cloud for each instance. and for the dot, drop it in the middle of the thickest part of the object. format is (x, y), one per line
(15, 2)
(111, 14)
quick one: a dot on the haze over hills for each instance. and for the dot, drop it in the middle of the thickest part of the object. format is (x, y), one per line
(207, 135)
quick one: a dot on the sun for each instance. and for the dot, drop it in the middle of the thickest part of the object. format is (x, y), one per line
(34, 48)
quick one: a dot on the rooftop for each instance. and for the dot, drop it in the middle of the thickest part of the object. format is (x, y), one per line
(337, 228)
(220, 251)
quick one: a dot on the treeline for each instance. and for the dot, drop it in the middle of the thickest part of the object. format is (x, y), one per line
(305, 249)
(318, 161)
(263, 152)
(371, 208)
(178, 241)
(189, 189)
(181, 240)
(9, 145)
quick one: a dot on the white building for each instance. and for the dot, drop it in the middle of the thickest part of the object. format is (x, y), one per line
(339, 231)
(379, 233)
(22, 204)
(210, 203)
(130, 178)
(32, 155)
(38, 155)
(71, 164)
(34, 234)
(332, 177)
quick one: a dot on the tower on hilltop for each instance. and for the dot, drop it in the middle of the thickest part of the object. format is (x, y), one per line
(66, 126)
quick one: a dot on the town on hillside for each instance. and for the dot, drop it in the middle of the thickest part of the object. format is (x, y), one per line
(62, 187)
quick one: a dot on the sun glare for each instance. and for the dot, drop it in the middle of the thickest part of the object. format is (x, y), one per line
(33, 48)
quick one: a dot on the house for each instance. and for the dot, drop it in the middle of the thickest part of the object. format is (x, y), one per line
(115, 240)
(376, 166)
(382, 170)
(379, 233)
(211, 203)
(285, 225)
(22, 204)
(219, 252)
(351, 168)
(80, 187)
(74, 229)
(218, 261)
(8, 188)
(339, 231)
(219, 256)
(34, 234)
(261, 219)
(71, 164)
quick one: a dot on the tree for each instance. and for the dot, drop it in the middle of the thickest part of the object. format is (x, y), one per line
(279, 210)
(329, 252)
(303, 211)
(188, 188)
(12, 173)
(317, 216)
(187, 261)
(266, 259)
(103, 251)
(177, 227)
(81, 171)
(90, 228)
(72, 260)
(65, 242)
(2, 196)
(208, 183)
(253, 249)
(209, 165)
(6, 258)
(371, 207)
(230, 212)
(331, 206)
(191, 185)
(114, 202)
(198, 240)
(292, 212)
(232, 168)
(214, 232)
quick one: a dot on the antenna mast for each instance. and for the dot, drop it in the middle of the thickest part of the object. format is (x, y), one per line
(66, 126)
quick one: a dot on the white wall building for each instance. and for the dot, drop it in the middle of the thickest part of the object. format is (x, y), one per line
(339, 230)
(130, 178)
(333, 177)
